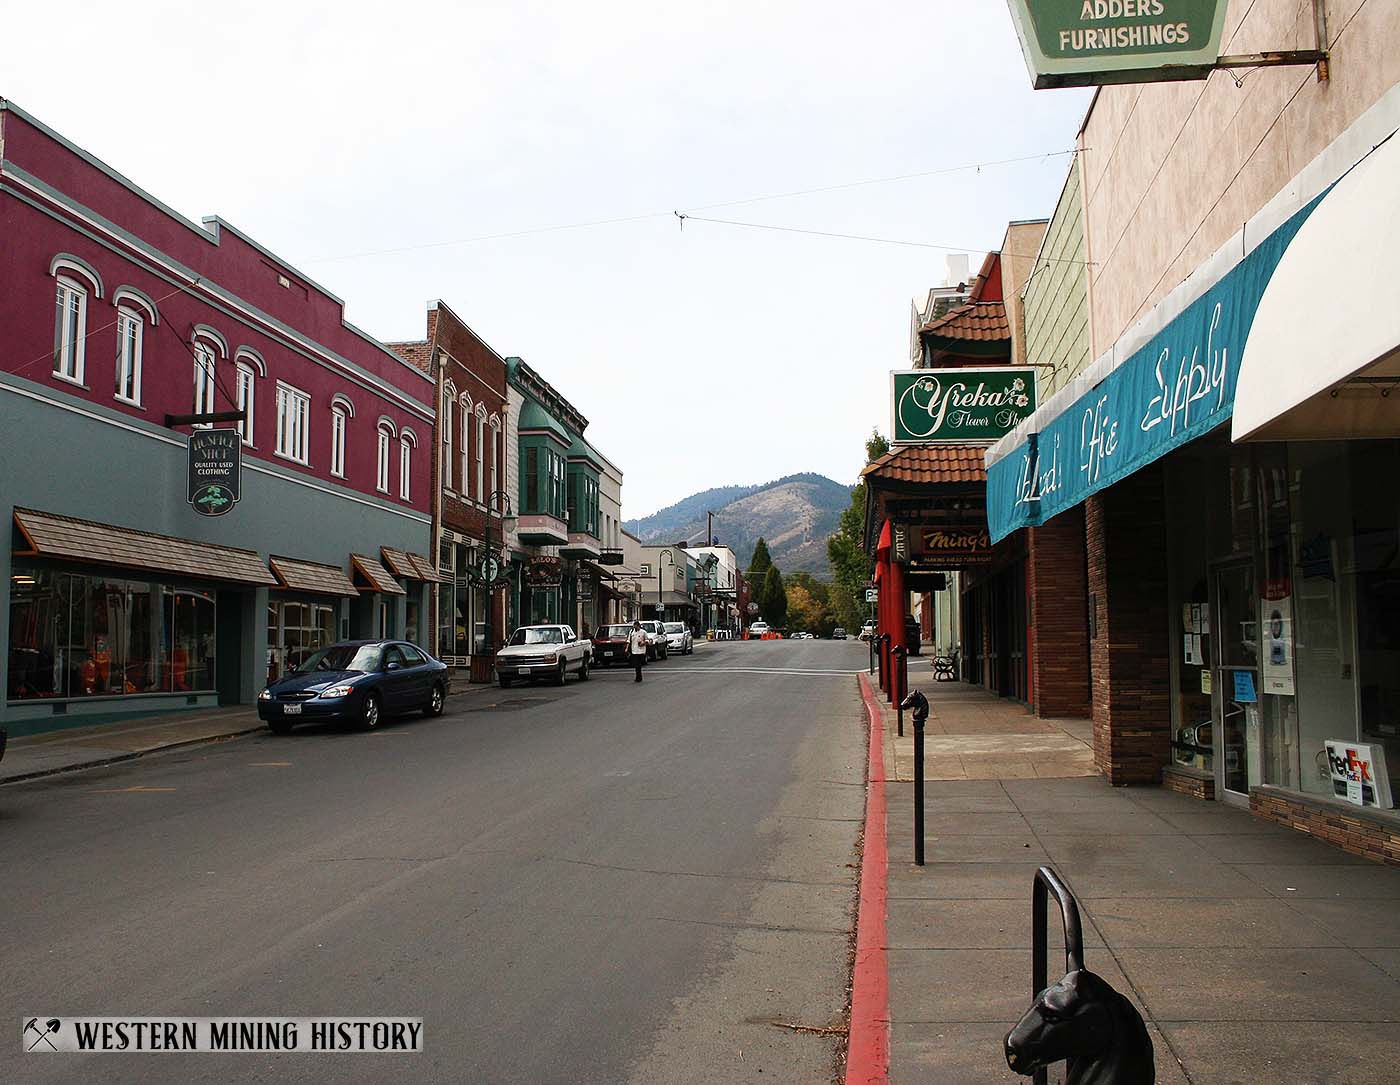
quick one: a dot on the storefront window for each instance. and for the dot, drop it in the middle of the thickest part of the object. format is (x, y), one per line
(73, 635)
(295, 629)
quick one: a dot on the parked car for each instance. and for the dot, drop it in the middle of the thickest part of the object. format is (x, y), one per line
(868, 629)
(757, 630)
(356, 681)
(802, 636)
(913, 635)
(658, 647)
(838, 633)
(543, 651)
(610, 645)
(679, 639)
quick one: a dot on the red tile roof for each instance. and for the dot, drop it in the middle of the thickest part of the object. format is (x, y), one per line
(978, 320)
(931, 464)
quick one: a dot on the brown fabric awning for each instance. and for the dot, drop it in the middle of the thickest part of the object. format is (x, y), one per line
(424, 567)
(64, 537)
(377, 576)
(409, 566)
(311, 576)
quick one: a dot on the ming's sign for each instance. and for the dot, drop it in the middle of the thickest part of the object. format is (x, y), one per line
(1076, 43)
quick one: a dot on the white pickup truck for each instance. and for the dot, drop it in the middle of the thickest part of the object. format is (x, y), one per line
(543, 651)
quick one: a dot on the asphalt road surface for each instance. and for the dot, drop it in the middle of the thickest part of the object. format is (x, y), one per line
(601, 883)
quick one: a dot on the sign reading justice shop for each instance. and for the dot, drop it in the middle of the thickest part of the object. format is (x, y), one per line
(1075, 43)
(959, 404)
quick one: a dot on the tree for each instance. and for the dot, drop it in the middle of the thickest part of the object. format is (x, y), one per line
(760, 563)
(819, 589)
(804, 612)
(774, 599)
(875, 446)
(851, 566)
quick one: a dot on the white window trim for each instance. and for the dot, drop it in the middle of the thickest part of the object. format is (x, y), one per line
(340, 425)
(384, 443)
(244, 368)
(204, 378)
(481, 454)
(77, 349)
(287, 393)
(445, 424)
(495, 455)
(407, 442)
(124, 313)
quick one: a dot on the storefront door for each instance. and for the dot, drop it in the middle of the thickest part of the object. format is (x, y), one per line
(1235, 642)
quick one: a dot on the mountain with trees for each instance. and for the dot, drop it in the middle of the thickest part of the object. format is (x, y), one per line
(795, 515)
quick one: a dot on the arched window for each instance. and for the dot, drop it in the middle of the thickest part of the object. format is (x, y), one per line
(495, 452)
(208, 346)
(386, 438)
(131, 334)
(248, 366)
(480, 452)
(342, 410)
(70, 329)
(445, 424)
(407, 442)
(466, 405)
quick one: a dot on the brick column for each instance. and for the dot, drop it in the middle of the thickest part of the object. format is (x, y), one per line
(1057, 585)
(1125, 540)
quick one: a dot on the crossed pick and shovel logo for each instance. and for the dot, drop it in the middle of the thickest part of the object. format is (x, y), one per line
(41, 1034)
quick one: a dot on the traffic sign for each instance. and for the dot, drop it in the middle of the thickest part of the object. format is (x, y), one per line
(872, 595)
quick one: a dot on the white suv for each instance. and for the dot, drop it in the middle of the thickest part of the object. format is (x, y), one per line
(657, 644)
(757, 630)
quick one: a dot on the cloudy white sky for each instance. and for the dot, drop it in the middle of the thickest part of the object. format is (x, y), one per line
(333, 131)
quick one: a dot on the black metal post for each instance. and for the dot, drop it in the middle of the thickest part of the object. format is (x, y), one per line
(919, 704)
(901, 654)
(1046, 882)
(871, 643)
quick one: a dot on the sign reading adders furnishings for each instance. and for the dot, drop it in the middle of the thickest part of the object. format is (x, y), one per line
(215, 470)
(961, 405)
(1079, 43)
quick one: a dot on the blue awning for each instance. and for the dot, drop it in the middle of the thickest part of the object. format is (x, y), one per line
(1118, 417)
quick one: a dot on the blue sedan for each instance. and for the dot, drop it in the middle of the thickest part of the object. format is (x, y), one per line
(356, 681)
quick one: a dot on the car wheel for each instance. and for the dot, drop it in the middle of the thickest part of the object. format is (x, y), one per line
(583, 670)
(370, 720)
(559, 674)
(505, 681)
(280, 727)
(434, 706)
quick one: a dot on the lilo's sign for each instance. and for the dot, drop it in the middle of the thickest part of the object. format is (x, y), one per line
(1076, 43)
(960, 405)
(215, 471)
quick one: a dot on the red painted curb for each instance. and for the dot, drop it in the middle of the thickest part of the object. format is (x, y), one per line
(868, 1052)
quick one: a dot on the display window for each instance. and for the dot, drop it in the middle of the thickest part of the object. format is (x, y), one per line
(78, 635)
(296, 627)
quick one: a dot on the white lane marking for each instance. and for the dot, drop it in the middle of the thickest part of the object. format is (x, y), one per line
(751, 670)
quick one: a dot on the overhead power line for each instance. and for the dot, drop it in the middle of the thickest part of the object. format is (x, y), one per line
(618, 220)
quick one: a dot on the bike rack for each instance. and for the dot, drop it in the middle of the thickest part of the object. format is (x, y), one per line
(1047, 882)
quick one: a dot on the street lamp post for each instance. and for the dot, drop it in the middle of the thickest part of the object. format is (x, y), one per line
(497, 498)
(660, 602)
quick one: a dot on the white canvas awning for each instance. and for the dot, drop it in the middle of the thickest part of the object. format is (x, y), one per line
(1323, 355)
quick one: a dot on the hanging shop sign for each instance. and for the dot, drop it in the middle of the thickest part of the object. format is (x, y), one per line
(544, 572)
(215, 471)
(489, 572)
(962, 405)
(1080, 43)
(953, 547)
(1178, 386)
(1359, 773)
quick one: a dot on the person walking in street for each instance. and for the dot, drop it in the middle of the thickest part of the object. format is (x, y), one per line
(637, 647)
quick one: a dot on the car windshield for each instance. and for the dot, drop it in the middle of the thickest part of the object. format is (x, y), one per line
(548, 634)
(343, 657)
(675, 627)
(616, 630)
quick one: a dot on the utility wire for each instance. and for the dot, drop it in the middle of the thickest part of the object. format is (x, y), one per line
(863, 237)
(590, 223)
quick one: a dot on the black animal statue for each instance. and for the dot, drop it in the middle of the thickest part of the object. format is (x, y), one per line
(1084, 1020)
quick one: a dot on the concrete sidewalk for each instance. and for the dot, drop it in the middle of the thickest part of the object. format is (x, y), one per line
(69, 748)
(1254, 953)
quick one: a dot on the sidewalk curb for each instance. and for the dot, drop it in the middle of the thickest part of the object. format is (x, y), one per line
(868, 1048)
(132, 755)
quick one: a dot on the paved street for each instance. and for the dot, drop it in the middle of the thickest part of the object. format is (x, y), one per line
(603, 882)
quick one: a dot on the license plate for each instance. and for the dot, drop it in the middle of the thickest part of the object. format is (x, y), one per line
(291, 710)
(524, 670)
